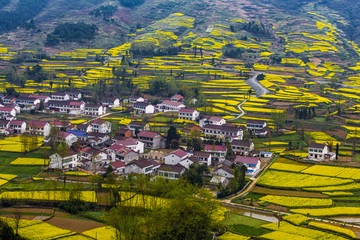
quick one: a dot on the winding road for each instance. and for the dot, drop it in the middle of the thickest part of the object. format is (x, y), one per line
(258, 87)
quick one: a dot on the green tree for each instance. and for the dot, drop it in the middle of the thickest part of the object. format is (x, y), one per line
(229, 151)
(172, 138)
(195, 174)
(279, 119)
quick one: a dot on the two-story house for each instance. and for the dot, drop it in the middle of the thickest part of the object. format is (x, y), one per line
(110, 102)
(8, 113)
(144, 107)
(225, 131)
(188, 114)
(203, 157)
(139, 167)
(17, 126)
(151, 140)
(94, 110)
(170, 106)
(101, 126)
(218, 152)
(320, 152)
(211, 120)
(171, 172)
(252, 164)
(137, 126)
(177, 98)
(133, 144)
(74, 95)
(58, 96)
(67, 162)
(176, 157)
(40, 128)
(242, 147)
(67, 137)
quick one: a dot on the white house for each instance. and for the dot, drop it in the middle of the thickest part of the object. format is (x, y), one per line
(211, 120)
(133, 144)
(203, 157)
(66, 106)
(60, 96)
(84, 128)
(242, 147)
(320, 152)
(43, 98)
(68, 162)
(176, 156)
(27, 102)
(119, 167)
(134, 99)
(187, 162)
(40, 128)
(224, 171)
(252, 164)
(8, 113)
(9, 99)
(94, 110)
(143, 107)
(151, 140)
(168, 106)
(138, 126)
(177, 98)
(118, 152)
(139, 167)
(111, 102)
(257, 127)
(67, 137)
(217, 152)
(17, 126)
(171, 172)
(188, 114)
(74, 95)
(225, 131)
(101, 126)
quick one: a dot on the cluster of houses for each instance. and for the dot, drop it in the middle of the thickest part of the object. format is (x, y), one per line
(134, 148)
(62, 102)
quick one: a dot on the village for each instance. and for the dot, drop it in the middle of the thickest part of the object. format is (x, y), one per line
(94, 146)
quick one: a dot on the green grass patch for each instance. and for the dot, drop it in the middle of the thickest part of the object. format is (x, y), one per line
(6, 161)
(345, 204)
(10, 155)
(24, 213)
(240, 219)
(21, 171)
(247, 230)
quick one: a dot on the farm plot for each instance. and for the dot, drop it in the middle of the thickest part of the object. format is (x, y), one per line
(287, 180)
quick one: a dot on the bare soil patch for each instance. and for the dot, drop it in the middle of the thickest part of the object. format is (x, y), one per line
(75, 225)
(262, 190)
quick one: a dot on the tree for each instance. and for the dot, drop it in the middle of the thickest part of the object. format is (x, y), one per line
(236, 183)
(10, 91)
(229, 151)
(195, 174)
(172, 138)
(53, 137)
(337, 151)
(279, 119)
(250, 91)
(277, 89)
(194, 142)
